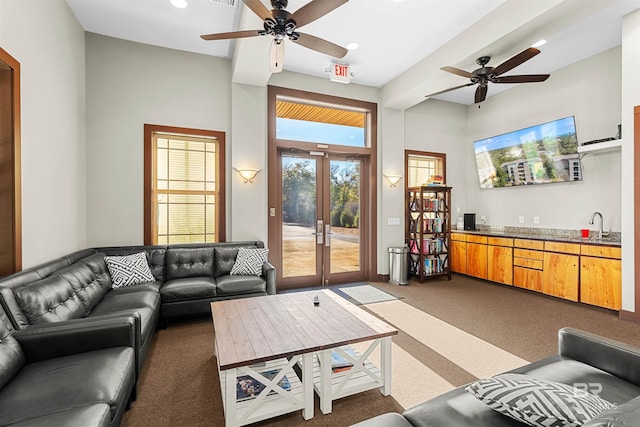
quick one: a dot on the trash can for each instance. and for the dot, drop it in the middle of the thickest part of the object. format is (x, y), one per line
(398, 265)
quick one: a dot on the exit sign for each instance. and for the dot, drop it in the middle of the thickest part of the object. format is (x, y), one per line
(340, 73)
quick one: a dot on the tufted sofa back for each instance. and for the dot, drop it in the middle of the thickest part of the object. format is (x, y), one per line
(225, 255)
(182, 262)
(11, 356)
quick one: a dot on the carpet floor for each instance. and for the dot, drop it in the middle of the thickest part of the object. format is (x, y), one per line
(450, 333)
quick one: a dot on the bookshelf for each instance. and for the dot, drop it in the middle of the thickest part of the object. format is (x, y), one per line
(428, 231)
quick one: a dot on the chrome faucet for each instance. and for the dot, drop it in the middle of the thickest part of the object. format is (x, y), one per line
(601, 234)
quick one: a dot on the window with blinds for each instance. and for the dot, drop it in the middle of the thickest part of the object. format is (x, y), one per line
(185, 188)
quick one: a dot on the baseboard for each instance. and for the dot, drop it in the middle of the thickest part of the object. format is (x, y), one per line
(629, 316)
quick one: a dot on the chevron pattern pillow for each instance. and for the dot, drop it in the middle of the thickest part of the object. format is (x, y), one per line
(538, 402)
(249, 262)
(129, 270)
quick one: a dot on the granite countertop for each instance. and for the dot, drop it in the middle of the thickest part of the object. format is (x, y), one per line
(558, 235)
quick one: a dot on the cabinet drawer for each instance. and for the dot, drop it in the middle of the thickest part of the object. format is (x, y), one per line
(528, 244)
(566, 248)
(601, 251)
(473, 238)
(527, 278)
(500, 241)
(528, 263)
(528, 253)
(459, 237)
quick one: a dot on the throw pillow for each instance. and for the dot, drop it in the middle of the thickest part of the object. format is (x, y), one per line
(129, 270)
(249, 262)
(538, 402)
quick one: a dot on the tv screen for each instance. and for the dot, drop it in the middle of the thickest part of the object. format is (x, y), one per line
(539, 154)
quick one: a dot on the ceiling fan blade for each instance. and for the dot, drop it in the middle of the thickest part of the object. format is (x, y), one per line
(516, 60)
(321, 45)
(314, 10)
(524, 78)
(448, 90)
(459, 72)
(231, 35)
(481, 94)
(258, 8)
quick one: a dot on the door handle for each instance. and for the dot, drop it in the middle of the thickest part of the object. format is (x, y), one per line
(319, 230)
(327, 231)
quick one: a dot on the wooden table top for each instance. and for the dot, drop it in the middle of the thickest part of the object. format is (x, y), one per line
(252, 330)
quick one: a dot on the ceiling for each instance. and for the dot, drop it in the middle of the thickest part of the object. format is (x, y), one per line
(402, 43)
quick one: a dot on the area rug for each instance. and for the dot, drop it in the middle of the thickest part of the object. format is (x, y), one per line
(363, 294)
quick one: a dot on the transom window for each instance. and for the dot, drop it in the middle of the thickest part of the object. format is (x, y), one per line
(320, 124)
(185, 188)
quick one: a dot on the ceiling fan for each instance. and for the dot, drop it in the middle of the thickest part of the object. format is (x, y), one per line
(485, 75)
(282, 24)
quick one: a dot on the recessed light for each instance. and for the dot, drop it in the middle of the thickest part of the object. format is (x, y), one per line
(352, 46)
(539, 43)
(180, 4)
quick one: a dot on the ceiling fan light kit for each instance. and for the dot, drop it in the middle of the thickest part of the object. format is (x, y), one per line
(281, 25)
(485, 74)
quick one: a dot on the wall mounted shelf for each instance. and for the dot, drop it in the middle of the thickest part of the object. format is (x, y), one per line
(601, 147)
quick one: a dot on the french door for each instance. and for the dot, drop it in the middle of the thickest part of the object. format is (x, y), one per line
(320, 213)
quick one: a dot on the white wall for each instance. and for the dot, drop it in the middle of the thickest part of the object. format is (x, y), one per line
(630, 98)
(589, 90)
(45, 37)
(130, 84)
(441, 127)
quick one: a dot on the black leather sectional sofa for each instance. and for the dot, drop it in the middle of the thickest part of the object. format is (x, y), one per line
(73, 346)
(600, 365)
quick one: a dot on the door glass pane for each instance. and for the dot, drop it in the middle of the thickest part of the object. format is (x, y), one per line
(298, 217)
(345, 215)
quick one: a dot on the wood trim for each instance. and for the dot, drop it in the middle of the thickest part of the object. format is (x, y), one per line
(369, 231)
(149, 130)
(14, 65)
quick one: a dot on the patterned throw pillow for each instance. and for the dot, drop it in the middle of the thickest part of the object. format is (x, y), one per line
(249, 262)
(129, 270)
(538, 402)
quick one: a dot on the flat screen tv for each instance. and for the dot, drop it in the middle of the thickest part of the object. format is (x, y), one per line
(540, 154)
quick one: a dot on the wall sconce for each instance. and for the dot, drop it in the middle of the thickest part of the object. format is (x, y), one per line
(393, 179)
(248, 175)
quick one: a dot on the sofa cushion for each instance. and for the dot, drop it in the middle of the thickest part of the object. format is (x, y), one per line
(129, 270)
(188, 289)
(53, 385)
(11, 356)
(96, 415)
(51, 299)
(238, 285)
(225, 257)
(85, 284)
(142, 287)
(189, 262)
(538, 402)
(249, 262)
(147, 314)
(99, 268)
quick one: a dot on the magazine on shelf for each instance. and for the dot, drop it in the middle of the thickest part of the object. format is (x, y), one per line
(248, 387)
(339, 363)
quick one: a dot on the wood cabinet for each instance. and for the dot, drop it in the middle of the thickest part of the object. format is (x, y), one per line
(428, 232)
(560, 275)
(601, 276)
(477, 256)
(578, 272)
(458, 253)
(500, 260)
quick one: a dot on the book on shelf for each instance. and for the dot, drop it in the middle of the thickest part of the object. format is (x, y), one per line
(248, 387)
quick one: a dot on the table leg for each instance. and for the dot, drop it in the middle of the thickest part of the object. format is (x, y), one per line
(325, 381)
(307, 385)
(385, 356)
(231, 406)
